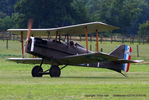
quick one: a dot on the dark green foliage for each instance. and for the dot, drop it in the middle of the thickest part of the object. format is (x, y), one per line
(6, 7)
(144, 28)
(2, 15)
(120, 12)
(51, 13)
(80, 13)
(6, 23)
(6, 10)
(126, 14)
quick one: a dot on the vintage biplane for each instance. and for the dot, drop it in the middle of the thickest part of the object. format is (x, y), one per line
(57, 52)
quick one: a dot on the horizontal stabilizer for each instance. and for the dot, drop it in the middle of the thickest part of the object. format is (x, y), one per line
(130, 61)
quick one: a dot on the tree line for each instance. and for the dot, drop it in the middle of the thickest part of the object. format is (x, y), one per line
(130, 15)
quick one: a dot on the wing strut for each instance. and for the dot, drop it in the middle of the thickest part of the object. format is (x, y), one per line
(22, 45)
(86, 37)
(97, 40)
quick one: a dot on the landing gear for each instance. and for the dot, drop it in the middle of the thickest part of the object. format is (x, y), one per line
(55, 71)
(37, 71)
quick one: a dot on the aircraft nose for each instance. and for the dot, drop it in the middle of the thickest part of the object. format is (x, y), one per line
(29, 45)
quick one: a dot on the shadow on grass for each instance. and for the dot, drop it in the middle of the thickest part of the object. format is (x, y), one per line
(86, 77)
(91, 77)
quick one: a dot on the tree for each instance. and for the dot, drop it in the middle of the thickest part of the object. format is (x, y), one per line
(6, 23)
(6, 7)
(121, 13)
(144, 28)
(48, 13)
(80, 13)
(2, 15)
(141, 18)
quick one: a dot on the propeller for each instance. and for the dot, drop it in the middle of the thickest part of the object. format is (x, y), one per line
(30, 23)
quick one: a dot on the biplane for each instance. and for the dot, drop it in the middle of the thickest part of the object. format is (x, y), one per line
(66, 52)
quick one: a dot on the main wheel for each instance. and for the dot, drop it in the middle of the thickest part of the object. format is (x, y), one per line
(36, 71)
(55, 71)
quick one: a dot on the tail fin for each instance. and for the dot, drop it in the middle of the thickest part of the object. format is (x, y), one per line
(123, 52)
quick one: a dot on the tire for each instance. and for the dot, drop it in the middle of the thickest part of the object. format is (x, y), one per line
(55, 71)
(36, 70)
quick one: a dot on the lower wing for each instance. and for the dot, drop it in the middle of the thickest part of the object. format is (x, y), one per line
(89, 58)
(28, 60)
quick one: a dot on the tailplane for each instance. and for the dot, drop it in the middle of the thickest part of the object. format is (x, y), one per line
(121, 62)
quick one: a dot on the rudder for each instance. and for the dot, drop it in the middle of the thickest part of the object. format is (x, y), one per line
(127, 56)
(123, 52)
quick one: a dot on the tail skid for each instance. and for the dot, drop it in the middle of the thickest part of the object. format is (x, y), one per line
(124, 74)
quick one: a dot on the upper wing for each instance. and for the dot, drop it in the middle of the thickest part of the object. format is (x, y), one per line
(72, 29)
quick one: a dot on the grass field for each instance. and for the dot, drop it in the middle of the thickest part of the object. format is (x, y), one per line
(75, 83)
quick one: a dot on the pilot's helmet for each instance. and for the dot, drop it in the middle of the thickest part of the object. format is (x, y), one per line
(71, 43)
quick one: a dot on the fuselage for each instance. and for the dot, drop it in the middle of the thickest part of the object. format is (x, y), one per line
(52, 49)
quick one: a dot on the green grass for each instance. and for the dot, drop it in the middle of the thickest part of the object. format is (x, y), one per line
(75, 83)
